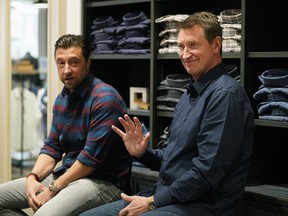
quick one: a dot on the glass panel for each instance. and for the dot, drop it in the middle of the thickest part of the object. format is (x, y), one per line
(28, 93)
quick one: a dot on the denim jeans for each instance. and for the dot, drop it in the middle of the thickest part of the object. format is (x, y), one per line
(114, 208)
(77, 197)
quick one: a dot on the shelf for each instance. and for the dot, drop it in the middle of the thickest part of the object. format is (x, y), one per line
(272, 194)
(146, 173)
(176, 56)
(268, 54)
(270, 123)
(168, 56)
(142, 179)
(114, 2)
(138, 112)
(119, 56)
(231, 55)
(164, 114)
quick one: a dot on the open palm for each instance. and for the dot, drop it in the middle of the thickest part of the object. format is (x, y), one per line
(133, 138)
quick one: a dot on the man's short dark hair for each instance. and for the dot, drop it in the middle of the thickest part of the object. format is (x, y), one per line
(71, 40)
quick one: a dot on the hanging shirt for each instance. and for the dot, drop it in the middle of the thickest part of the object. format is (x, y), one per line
(25, 119)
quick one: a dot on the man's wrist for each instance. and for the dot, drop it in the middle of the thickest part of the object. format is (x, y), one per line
(53, 187)
(151, 203)
(36, 177)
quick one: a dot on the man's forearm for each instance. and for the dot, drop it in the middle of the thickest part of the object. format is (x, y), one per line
(43, 166)
(78, 170)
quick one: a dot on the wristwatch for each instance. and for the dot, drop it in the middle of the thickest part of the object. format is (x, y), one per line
(151, 203)
(53, 186)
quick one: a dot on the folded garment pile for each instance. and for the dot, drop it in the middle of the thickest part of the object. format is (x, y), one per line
(169, 34)
(230, 21)
(170, 91)
(174, 85)
(273, 95)
(131, 36)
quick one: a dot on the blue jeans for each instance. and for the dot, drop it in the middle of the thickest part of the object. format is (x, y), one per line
(114, 208)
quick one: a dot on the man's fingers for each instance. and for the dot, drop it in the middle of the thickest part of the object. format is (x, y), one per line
(129, 122)
(123, 212)
(124, 123)
(126, 197)
(117, 130)
(137, 124)
(34, 203)
(147, 137)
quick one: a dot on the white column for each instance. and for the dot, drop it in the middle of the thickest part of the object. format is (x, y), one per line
(5, 90)
(64, 17)
(74, 17)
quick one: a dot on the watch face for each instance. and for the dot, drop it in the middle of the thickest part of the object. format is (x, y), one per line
(152, 205)
(52, 186)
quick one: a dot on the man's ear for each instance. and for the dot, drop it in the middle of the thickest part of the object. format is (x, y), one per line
(88, 63)
(217, 44)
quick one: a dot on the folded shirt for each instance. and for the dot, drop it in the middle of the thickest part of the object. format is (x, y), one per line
(272, 94)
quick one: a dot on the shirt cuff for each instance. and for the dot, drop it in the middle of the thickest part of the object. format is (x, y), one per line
(163, 198)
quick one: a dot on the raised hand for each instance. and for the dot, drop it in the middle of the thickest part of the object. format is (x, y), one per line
(133, 138)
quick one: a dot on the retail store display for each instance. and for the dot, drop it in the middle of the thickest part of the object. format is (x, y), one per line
(261, 49)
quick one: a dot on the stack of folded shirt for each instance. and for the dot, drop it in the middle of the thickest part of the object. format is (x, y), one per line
(273, 95)
(103, 32)
(170, 91)
(135, 30)
(170, 33)
(132, 36)
(230, 21)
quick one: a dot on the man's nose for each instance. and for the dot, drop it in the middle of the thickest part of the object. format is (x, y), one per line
(67, 68)
(186, 53)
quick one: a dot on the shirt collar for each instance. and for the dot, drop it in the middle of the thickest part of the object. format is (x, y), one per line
(82, 88)
(197, 86)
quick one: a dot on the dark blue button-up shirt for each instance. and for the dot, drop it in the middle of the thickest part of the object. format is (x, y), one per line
(204, 166)
(81, 130)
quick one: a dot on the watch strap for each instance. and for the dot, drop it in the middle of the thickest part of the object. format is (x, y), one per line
(151, 203)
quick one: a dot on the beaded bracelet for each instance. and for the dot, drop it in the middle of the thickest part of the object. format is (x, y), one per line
(35, 176)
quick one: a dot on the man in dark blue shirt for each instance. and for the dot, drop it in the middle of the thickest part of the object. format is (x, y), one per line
(202, 170)
(95, 165)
